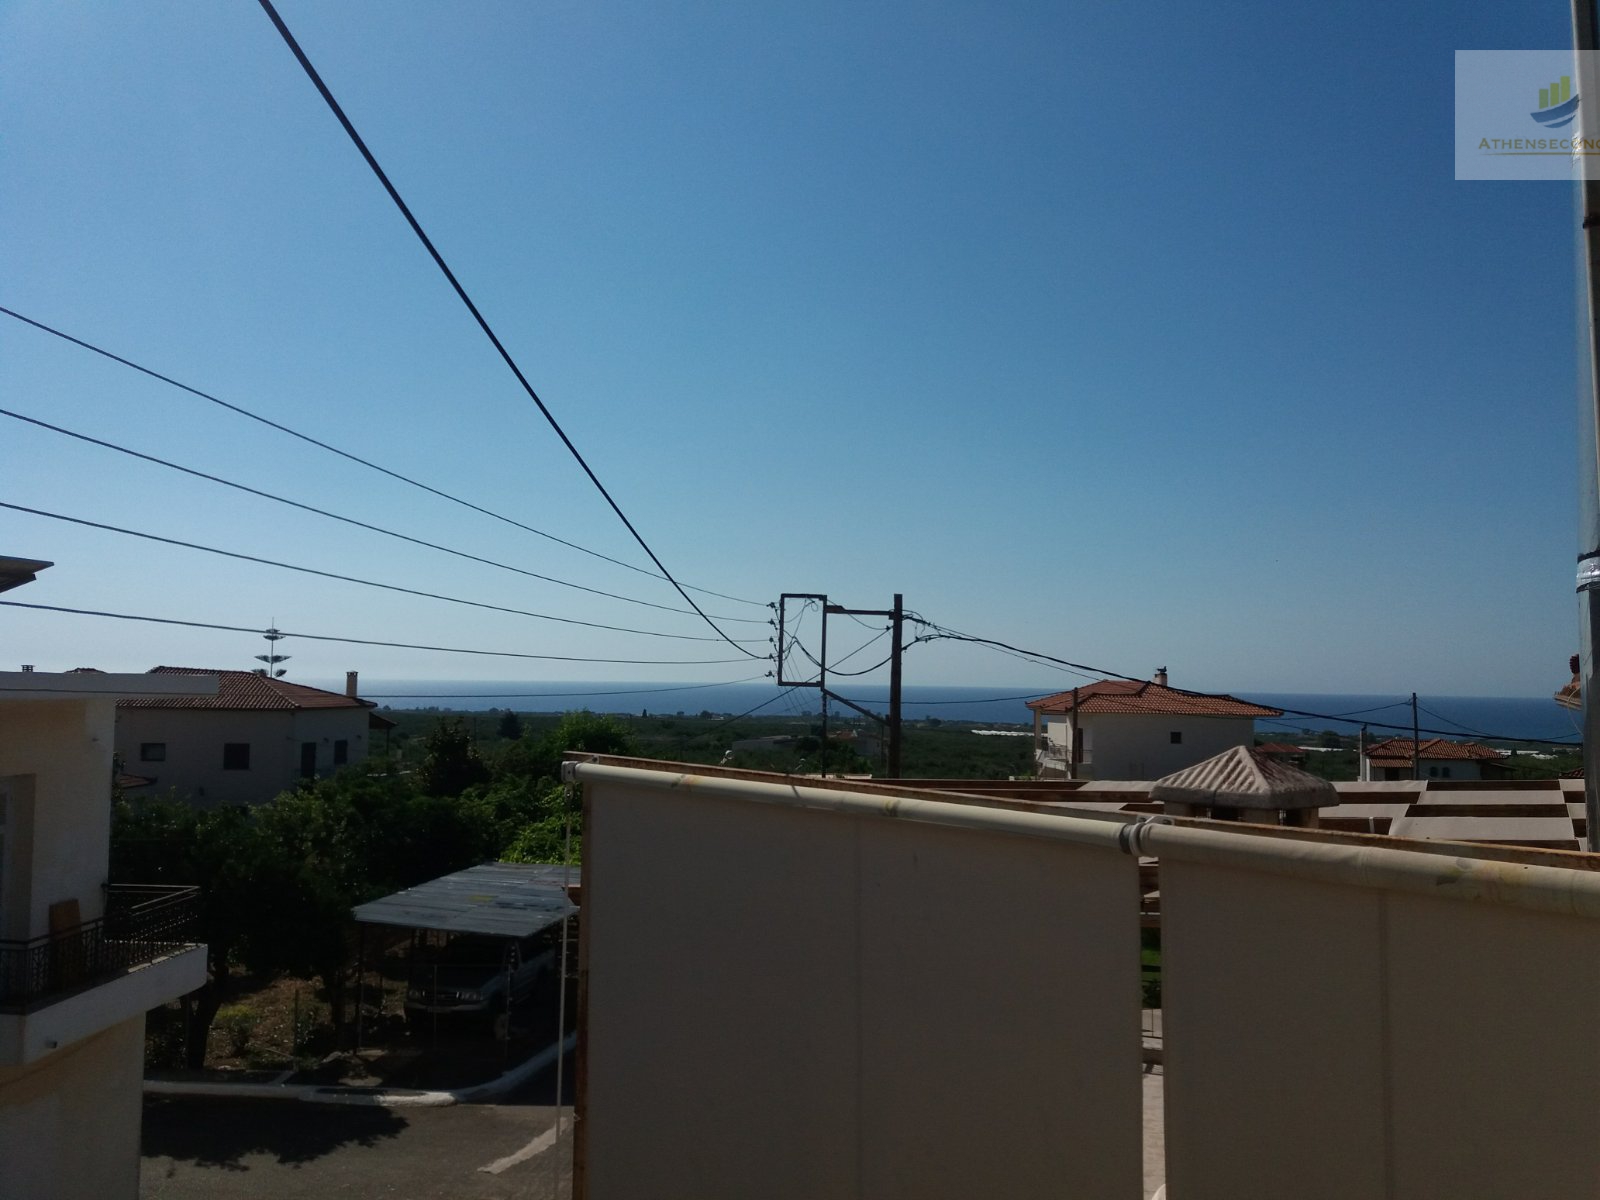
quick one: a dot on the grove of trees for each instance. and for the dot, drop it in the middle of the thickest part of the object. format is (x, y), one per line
(277, 881)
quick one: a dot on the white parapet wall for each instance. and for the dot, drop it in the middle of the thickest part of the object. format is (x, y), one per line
(800, 992)
(69, 1127)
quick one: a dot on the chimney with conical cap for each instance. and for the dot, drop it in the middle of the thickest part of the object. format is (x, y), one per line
(1161, 677)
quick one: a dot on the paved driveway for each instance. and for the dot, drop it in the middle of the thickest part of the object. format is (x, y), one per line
(217, 1150)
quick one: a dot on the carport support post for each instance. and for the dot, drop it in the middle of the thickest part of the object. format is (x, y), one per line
(361, 975)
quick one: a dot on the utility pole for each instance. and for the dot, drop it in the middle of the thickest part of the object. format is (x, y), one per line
(1586, 40)
(1416, 741)
(896, 617)
(822, 682)
(1075, 751)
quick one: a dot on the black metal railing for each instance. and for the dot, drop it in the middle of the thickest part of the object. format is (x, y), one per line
(142, 923)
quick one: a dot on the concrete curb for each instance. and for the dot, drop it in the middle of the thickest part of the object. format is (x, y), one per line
(517, 1075)
(373, 1097)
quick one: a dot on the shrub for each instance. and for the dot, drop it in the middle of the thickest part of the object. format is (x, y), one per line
(238, 1024)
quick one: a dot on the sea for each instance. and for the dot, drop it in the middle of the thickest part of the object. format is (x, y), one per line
(1460, 717)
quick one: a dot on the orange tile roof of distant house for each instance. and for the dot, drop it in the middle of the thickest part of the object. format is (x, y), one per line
(1149, 698)
(246, 690)
(1280, 748)
(1397, 751)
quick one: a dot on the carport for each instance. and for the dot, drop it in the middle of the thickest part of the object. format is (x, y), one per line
(510, 901)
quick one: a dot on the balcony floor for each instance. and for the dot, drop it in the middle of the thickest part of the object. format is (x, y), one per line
(28, 1037)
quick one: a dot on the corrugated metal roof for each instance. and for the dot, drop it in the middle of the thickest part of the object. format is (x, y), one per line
(1134, 696)
(1242, 777)
(513, 900)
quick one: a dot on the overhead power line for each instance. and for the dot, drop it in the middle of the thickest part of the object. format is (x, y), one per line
(353, 641)
(833, 668)
(867, 671)
(942, 633)
(322, 512)
(372, 583)
(356, 458)
(749, 711)
(1572, 742)
(687, 687)
(984, 699)
(1479, 733)
(483, 324)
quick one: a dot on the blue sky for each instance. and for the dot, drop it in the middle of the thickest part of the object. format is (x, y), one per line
(1138, 341)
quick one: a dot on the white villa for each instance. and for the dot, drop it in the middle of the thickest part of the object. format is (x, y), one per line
(1125, 729)
(253, 738)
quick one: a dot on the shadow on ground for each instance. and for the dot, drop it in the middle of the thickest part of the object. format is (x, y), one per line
(212, 1134)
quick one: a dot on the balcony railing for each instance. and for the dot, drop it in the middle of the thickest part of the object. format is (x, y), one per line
(1053, 754)
(142, 923)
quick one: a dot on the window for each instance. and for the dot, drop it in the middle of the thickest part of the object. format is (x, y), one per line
(1444, 772)
(341, 752)
(1177, 737)
(1433, 772)
(236, 756)
(152, 752)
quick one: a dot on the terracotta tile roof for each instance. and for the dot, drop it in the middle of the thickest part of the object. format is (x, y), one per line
(246, 690)
(1571, 695)
(1398, 751)
(1145, 697)
(1280, 748)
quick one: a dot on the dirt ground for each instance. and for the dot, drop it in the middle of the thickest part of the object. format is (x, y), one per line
(270, 1027)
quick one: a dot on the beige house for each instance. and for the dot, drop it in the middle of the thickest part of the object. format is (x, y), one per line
(1130, 729)
(1390, 760)
(80, 961)
(256, 737)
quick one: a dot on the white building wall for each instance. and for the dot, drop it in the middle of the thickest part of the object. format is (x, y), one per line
(325, 726)
(70, 1086)
(1429, 768)
(194, 738)
(1125, 746)
(69, 1125)
(56, 754)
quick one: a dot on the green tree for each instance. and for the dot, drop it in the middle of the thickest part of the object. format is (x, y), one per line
(217, 851)
(528, 792)
(510, 726)
(450, 762)
(544, 836)
(539, 758)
